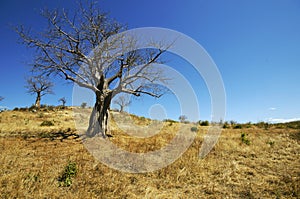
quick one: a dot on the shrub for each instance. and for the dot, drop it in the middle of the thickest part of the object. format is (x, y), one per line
(32, 108)
(194, 129)
(51, 108)
(204, 123)
(226, 125)
(264, 125)
(271, 143)
(23, 109)
(238, 126)
(170, 120)
(43, 106)
(248, 125)
(245, 139)
(69, 172)
(47, 123)
(40, 115)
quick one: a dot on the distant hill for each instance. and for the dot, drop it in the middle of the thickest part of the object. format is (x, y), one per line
(292, 125)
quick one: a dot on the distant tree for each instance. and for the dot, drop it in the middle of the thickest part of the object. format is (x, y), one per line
(83, 105)
(115, 65)
(40, 86)
(1, 98)
(63, 101)
(204, 123)
(122, 101)
(232, 123)
(182, 118)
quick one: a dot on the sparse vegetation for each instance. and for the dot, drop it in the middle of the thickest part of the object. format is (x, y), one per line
(245, 139)
(238, 126)
(35, 160)
(70, 171)
(170, 120)
(204, 123)
(264, 125)
(47, 123)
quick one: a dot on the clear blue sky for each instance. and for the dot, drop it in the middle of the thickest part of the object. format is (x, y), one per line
(255, 44)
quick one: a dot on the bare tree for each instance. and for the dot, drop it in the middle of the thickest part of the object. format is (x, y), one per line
(182, 118)
(40, 86)
(63, 100)
(1, 98)
(114, 67)
(83, 105)
(122, 101)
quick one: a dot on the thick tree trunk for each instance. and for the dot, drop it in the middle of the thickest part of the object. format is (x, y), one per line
(38, 101)
(99, 117)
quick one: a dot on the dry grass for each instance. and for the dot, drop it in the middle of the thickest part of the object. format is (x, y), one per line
(30, 165)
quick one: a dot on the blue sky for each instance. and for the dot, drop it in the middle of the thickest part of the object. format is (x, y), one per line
(255, 44)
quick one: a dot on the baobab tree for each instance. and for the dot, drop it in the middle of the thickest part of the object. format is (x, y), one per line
(82, 49)
(63, 101)
(182, 118)
(122, 101)
(39, 86)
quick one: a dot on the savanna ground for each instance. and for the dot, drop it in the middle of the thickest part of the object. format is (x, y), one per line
(34, 158)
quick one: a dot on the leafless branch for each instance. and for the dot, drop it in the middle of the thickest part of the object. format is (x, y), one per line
(84, 49)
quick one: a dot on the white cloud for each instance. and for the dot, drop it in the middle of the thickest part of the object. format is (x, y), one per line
(282, 120)
(272, 109)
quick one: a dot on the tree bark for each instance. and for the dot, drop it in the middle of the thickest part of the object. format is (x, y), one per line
(98, 122)
(38, 100)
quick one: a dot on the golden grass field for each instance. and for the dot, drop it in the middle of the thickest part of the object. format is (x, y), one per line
(33, 157)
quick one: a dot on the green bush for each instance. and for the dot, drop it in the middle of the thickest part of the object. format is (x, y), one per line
(226, 125)
(194, 129)
(204, 123)
(47, 123)
(238, 126)
(69, 172)
(244, 139)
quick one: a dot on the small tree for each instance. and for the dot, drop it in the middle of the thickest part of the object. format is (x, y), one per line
(40, 86)
(83, 105)
(182, 118)
(63, 101)
(122, 101)
(1, 98)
